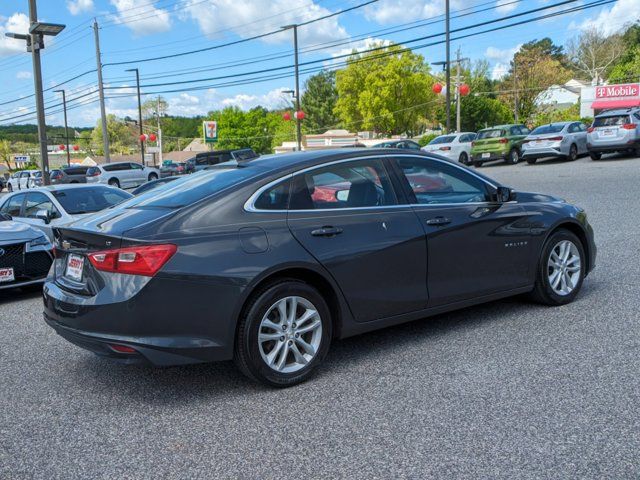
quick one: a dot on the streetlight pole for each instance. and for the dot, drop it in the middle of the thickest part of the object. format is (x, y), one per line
(294, 27)
(103, 113)
(139, 111)
(66, 129)
(448, 66)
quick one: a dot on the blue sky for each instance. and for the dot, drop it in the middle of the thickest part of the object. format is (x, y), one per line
(139, 29)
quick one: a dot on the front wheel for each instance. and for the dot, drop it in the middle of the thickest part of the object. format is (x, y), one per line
(561, 269)
(595, 155)
(9, 187)
(284, 334)
(513, 157)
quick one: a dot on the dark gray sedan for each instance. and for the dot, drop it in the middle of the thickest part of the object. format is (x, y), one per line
(25, 254)
(273, 258)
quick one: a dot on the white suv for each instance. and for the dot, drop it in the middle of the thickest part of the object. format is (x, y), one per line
(24, 179)
(122, 174)
(614, 131)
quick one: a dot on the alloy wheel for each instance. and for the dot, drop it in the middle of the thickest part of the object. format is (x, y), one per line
(564, 267)
(289, 335)
(573, 153)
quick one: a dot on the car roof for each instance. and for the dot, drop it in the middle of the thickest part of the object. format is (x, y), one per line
(68, 186)
(617, 111)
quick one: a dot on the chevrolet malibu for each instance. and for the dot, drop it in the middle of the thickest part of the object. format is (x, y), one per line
(268, 272)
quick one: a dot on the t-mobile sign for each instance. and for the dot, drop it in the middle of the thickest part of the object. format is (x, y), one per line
(618, 91)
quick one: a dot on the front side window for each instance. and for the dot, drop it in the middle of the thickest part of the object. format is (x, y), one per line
(36, 202)
(13, 205)
(355, 184)
(434, 182)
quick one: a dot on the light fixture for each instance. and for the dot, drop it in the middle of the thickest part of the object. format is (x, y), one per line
(41, 28)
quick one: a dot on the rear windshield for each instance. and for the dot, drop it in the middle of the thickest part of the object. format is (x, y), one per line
(75, 170)
(89, 199)
(491, 134)
(191, 188)
(547, 129)
(612, 121)
(446, 139)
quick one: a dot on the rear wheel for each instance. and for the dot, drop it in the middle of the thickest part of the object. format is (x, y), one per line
(284, 334)
(114, 182)
(561, 269)
(478, 163)
(464, 158)
(573, 153)
(152, 176)
(531, 161)
(9, 187)
(513, 157)
(595, 155)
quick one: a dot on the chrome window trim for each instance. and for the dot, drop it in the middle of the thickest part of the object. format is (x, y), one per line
(250, 207)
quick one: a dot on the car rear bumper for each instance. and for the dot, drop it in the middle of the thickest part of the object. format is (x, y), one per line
(541, 152)
(613, 147)
(478, 157)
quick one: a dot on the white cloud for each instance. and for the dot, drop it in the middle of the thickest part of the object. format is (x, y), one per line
(499, 71)
(501, 55)
(247, 18)
(76, 7)
(23, 75)
(612, 20)
(141, 21)
(395, 11)
(361, 45)
(271, 100)
(185, 105)
(506, 6)
(16, 23)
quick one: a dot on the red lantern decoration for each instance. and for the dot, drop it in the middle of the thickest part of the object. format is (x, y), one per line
(299, 114)
(61, 146)
(464, 89)
(152, 137)
(76, 148)
(286, 116)
(143, 138)
(437, 88)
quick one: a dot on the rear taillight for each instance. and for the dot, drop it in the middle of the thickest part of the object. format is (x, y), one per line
(555, 139)
(94, 173)
(629, 126)
(122, 348)
(445, 148)
(503, 140)
(141, 260)
(590, 129)
(473, 144)
(180, 169)
(56, 176)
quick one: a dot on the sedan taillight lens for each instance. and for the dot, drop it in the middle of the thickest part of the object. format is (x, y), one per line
(555, 139)
(629, 126)
(473, 144)
(143, 260)
(503, 140)
(590, 129)
(445, 148)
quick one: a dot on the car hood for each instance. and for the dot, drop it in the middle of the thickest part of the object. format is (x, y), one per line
(537, 197)
(11, 231)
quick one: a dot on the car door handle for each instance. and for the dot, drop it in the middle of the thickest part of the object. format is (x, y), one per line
(326, 231)
(438, 221)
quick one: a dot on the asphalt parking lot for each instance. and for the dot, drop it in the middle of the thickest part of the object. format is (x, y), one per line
(505, 390)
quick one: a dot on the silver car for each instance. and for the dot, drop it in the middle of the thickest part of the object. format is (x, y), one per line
(122, 174)
(25, 254)
(614, 131)
(57, 205)
(566, 140)
(456, 146)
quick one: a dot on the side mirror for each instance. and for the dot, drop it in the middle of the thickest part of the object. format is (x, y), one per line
(505, 194)
(44, 216)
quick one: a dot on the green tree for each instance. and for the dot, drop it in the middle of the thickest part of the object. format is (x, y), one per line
(6, 152)
(628, 67)
(387, 94)
(481, 111)
(318, 102)
(122, 137)
(153, 106)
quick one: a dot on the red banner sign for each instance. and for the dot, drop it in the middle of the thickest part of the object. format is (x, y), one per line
(618, 91)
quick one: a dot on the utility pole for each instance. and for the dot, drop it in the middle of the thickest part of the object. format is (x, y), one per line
(459, 60)
(66, 130)
(103, 114)
(515, 90)
(139, 111)
(159, 131)
(294, 27)
(448, 66)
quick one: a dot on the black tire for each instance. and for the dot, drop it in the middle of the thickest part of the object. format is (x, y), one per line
(464, 158)
(514, 156)
(9, 188)
(595, 155)
(573, 153)
(532, 161)
(74, 181)
(114, 182)
(542, 291)
(478, 163)
(247, 354)
(152, 177)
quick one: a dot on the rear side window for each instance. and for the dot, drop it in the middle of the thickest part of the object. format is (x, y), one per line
(611, 121)
(443, 139)
(13, 205)
(93, 171)
(544, 129)
(274, 198)
(75, 170)
(357, 184)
